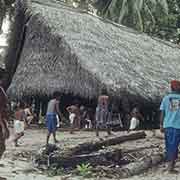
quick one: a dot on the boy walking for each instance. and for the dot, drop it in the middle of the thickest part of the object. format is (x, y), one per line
(170, 123)
(19, 123)
(51, 116)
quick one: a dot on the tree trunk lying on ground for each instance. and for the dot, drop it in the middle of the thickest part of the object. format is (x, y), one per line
(105, 158)
(89, 147)
(78, 154)
(134, 168)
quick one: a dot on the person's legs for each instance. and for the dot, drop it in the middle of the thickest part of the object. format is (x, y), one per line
(54, 135)
(72, 124)
(48, 136)
(97, 130)
(108, 130)
(71, 129)
(17, 137)
(50, 123)
(2, 146)
(171, 142)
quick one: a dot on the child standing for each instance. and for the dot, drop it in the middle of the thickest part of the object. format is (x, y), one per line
(136, 117)
(19, 123)
(72, 117)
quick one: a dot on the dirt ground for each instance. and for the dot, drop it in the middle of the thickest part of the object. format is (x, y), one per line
(16, 163)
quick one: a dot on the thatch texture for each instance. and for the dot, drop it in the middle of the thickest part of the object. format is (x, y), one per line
(78, 53)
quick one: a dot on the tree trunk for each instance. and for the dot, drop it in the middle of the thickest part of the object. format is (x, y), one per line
(82, 153)
(101, 158)
(89, 147)
(134, 168)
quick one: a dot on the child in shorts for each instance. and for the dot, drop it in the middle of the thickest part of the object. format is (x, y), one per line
(19, 123)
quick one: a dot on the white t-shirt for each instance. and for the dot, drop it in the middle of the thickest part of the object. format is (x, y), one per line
(18, 126)
(72, 117)
(134, 123)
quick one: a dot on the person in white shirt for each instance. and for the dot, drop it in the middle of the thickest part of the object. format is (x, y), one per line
(136, 117)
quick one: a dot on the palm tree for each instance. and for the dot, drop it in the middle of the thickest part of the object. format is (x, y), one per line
(131, 12)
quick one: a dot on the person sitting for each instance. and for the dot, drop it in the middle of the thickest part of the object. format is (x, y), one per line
(74, 116)
(85, 118)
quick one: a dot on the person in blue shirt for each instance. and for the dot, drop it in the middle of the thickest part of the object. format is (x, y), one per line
(170, 123)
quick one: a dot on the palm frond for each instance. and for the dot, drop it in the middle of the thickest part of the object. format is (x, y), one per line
(138, 8)
(164, 5)
(123, 10)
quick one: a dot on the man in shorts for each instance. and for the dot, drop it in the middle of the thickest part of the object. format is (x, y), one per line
(170, 123)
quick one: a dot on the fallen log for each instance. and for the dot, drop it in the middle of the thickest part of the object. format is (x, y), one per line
(100, 158)
(83, 153)
(89, 147)
(134, 168)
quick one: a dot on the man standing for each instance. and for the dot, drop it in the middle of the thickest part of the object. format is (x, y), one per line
(170, 123)
(51, 116)
(102, 112)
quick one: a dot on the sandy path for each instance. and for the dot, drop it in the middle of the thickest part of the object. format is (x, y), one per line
(16, 165)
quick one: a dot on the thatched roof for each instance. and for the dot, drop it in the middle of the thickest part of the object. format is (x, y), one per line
(75, 52)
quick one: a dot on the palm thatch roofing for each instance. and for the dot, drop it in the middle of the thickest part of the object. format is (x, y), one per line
(74, 52)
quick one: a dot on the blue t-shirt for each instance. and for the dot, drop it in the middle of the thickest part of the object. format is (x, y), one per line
(171, 107)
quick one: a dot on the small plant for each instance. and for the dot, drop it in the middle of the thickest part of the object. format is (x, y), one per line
(55, 172)
(84, 170)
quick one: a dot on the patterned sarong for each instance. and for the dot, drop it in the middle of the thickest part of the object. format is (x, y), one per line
(51, 122)
(101, 116)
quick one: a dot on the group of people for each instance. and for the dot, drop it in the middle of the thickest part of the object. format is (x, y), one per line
(169, 119)
(79, 116)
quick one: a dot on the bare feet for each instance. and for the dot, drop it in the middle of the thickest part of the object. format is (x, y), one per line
(173, 171)
(2, 178)
(56, 141)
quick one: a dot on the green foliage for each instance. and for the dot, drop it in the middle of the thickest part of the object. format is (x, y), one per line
(166, 27)
(55, 172)
(84, 170)
(160, 18)
(133, 13)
